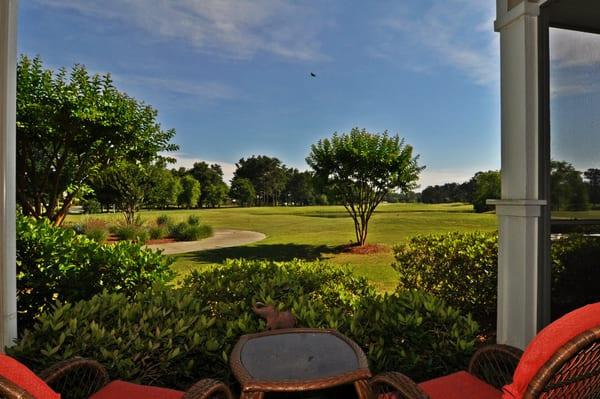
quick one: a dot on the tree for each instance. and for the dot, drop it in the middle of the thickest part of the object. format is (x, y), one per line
(166, 189)
(567, 189)
(190, 192)
(69, 127)
(210, 178)
(131, 182)
(216, 195)
(361, 168)
(299, 189)
(593, 182)
(242, 191)
(487, 186)
(268, 176)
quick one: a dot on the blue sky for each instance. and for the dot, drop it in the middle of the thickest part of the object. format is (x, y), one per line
(233, 77)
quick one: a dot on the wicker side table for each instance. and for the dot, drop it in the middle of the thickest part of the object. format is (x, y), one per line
(299, 359)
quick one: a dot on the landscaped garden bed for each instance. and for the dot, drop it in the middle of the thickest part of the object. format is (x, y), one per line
(158, 231)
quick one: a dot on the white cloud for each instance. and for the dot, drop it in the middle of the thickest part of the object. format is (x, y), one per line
(452, 32)
(208, 91)
(433, 177)
(575, 63)
(187, 161)
(230, 28)
(571, 48)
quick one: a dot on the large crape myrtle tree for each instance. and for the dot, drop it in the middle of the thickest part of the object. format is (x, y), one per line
(361, 168)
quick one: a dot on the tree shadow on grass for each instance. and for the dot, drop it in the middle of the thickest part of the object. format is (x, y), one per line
(272, 252)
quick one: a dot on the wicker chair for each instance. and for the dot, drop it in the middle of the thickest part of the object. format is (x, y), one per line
(562, 361)
(80, 378)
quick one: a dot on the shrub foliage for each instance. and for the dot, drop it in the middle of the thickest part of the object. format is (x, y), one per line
(56, 263)
(461, 268)
(174, 336)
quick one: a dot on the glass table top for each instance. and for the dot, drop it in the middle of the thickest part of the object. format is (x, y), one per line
(298, 356)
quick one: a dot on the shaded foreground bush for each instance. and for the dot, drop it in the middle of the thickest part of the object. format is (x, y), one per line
(462, 268)
(172, 337)
(55, 263)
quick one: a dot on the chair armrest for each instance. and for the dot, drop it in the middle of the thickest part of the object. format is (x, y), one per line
(208, 389)
(397, 382)
(495, 364)
(76, 378)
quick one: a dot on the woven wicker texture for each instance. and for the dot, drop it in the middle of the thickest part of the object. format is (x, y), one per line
(397, 382)
(76, 378)
(495, 364)
(208, 389)
(574, 372)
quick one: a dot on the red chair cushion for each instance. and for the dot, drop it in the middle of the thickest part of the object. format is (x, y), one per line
(24, 378)
(460, 385)
(127, 390)
(547, 343)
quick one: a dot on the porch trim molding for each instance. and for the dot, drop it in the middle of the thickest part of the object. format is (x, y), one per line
(8, 73)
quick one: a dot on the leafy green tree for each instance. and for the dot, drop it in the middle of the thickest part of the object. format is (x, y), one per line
(268, 176)
(567, 189)
(361, 168)
(69, 127)
(487, 186)
(166, 189)
(592, 176)
(131, 183)
(299, 189)
(242, 191)
(211, 182)
(190, 192)
(217, 194)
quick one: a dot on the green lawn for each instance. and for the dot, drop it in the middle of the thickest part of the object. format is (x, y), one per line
(316, 232)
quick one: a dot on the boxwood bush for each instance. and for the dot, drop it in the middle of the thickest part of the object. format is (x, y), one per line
(174, 336)
(190, 232)
(575, 272)
(56, 263)
(461, 268)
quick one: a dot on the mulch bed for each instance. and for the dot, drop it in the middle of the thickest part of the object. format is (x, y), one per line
(365, 249)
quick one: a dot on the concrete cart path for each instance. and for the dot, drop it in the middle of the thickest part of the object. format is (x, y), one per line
(222, 238)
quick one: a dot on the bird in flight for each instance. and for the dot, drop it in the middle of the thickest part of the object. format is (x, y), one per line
(313, 75)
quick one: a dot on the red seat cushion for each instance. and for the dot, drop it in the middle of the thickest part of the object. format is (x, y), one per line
(127, 390)
(547, 343)
(24, 378)
(461, 385)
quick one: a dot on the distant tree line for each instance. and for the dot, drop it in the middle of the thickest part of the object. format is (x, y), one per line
(570, 189)
(481, 187)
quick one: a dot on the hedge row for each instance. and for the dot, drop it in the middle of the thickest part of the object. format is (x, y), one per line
(461, 268)
(172, 337)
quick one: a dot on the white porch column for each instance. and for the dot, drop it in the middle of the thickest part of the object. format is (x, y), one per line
(8, 64)
(521, 309)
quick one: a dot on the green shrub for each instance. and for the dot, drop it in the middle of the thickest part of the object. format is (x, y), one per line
(96, 229)
(193, 220)
(131, 232)
(164, 220)
(575, 272)
(172, 337)
(158, 232)
(98, 235)
(461, 268)
(56, 263)
(188, 232)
